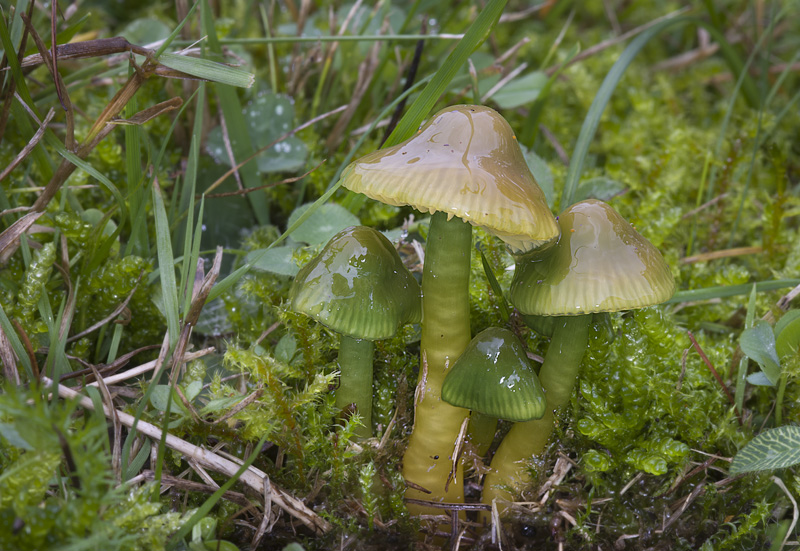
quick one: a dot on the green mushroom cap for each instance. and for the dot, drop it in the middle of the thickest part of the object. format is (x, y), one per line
(494, 377)
(465, 162)
(358, 286)
(599, 264)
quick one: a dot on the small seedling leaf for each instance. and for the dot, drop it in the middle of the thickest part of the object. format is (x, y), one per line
(285, 349)
(787, 334)
(520, 91)
(759, 379)
(776, 448)
(193, 390)
(323, 224)
(758, 343)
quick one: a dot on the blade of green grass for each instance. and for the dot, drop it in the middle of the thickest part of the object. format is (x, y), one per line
(208, 70)
(187, 204)
(474, 37)
(723, 291)
(169, 288)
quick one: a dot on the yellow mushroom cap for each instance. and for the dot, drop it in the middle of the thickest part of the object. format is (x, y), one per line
(467, 163)
(599, 264)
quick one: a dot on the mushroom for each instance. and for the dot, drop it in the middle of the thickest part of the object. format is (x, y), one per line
(464, 167)
(599, 264)
(494, 379)
(358, 287)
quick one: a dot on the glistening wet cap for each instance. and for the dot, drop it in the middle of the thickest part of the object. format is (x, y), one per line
(465, 162)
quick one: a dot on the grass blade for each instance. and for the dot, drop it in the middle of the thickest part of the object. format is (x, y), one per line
(208, 70)
(723, 291)
(166, 266)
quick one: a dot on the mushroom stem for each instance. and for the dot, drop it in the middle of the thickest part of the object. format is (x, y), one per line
(563, 359)
(355, 380)
(428, 459)
(509, 472)
(482, 429)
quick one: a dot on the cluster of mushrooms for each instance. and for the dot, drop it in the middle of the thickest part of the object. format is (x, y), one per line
(587, 261)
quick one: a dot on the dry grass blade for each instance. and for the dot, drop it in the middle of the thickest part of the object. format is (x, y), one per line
(150, 366)
(209, 460)
(116, 448)
(10, 371)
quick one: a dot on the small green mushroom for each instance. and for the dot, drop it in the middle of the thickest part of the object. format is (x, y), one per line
(358, 287)
(599, 264)
(494, 379)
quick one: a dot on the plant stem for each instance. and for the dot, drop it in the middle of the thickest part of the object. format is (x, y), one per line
(445, 334)
(355, 380)
(509, 470)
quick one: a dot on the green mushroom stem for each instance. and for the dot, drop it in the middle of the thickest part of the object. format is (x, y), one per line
(428, 459)
(558, 374)
(355, 380)
(563, 359)
(481, 431)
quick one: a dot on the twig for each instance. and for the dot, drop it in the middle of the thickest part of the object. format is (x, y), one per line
(209, 460)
